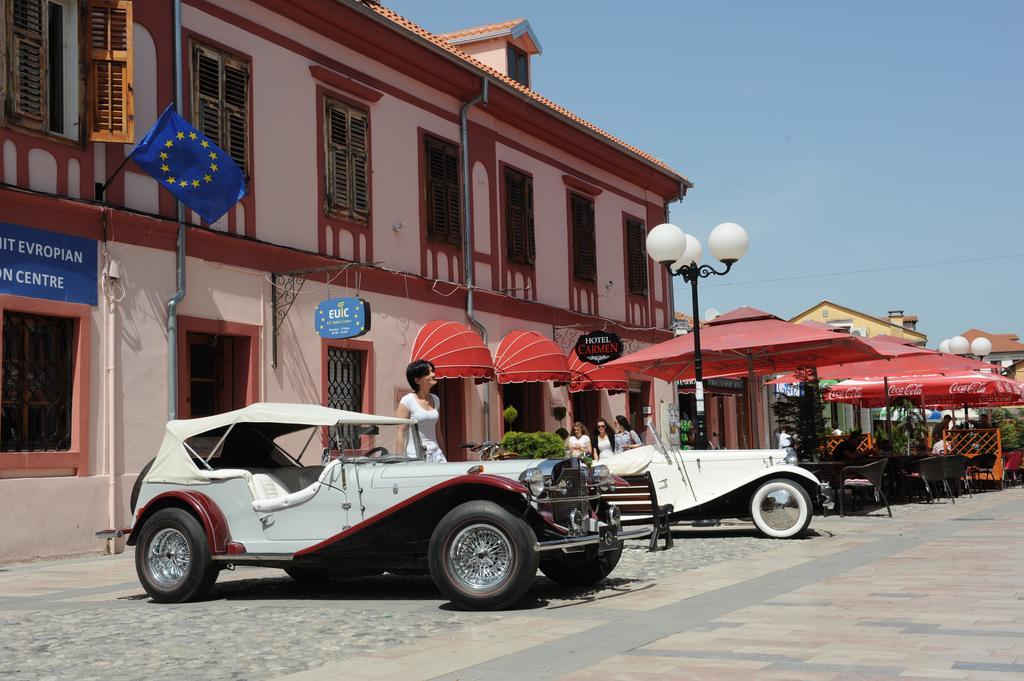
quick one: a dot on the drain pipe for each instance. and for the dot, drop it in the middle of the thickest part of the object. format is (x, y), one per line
(467, 238)
(172, 304)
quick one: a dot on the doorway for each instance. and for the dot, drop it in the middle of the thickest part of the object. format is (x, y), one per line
(218, 373)
(452, 426)
(585, 409)
(528, 399)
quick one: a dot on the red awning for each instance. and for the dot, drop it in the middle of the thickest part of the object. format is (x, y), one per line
(931, 391)
(455, 351)
(587, 376)
(925, 363)
(528, 357)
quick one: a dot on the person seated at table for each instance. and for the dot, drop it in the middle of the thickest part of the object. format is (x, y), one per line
(984, 422)
(847, 450)
(939, 448)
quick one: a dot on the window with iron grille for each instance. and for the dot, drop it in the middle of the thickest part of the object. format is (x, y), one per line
(348, 167)
(345, 374)
(519, 217)
(636, 254)
(220, 101)
(442, 191)
(583, 239)
(38, 374)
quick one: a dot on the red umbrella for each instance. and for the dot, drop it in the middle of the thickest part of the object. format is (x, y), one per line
(747, 341)
(944, 392)
(922, 363)
(528, 357)
(454, 350)
(587, 376)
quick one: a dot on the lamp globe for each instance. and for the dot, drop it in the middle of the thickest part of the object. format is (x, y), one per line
(728, 242)
(944, 346)
(981, 346)
(666, 243)
(959, 345)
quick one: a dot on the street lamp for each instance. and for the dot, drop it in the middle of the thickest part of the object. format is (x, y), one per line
(681, 254)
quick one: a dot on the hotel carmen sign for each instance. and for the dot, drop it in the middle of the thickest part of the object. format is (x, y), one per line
(598, 347)
(40, 264)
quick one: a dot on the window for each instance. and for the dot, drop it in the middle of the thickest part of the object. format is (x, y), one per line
(43, 57)
(345, 388)
(519, 217)
(348, 168)
(442, 191)
(220, 101)
(38, 370)
(583, 243)
(518, 65)
(636, 254)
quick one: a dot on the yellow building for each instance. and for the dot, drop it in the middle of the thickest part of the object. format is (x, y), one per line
(896, 323)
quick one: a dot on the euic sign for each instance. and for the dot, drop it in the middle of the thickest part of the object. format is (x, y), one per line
(40, 264)
(342, 318)
(599, 347)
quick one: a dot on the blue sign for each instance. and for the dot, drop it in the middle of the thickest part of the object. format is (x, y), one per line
(50, 265)
(789, 389)
(342, 318)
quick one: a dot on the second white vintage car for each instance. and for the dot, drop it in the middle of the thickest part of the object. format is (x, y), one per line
(707, 486)
(233, 489)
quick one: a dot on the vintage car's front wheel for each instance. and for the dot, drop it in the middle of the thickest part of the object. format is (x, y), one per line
(781, 508)
(580, 569)
(173, 559)
(481, 556)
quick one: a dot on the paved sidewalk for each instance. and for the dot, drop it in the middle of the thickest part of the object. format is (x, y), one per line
(934, 594)
(930, 594)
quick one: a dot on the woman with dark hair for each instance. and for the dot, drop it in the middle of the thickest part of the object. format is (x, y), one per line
(423, 407)
(604, 442)
(625, 436)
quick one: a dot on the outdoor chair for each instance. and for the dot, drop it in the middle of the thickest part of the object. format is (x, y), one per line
(955, 468)
(1012, 467)
(929, 471)
(866, 476)
(980, 465)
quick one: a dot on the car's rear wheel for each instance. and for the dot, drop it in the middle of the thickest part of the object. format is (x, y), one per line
(580, 569)
(781, 509)
(481, 556)
(172, 557)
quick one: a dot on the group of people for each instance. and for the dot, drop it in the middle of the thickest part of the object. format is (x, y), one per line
(606, 441)
(424, 407)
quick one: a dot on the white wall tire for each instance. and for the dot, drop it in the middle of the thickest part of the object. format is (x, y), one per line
(781, 509)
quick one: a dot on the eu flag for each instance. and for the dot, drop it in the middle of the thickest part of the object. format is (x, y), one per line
(190, 166)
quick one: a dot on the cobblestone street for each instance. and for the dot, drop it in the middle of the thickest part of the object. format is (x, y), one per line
(87, 618)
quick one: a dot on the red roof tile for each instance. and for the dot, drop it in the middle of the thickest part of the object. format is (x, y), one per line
(480, 30)
(1001, 342)
(423, 33)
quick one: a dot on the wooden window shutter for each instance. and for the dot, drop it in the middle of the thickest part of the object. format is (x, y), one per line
(111, 103)
(236, 112)
(584, 246)
(519, 217)
(637, 256)
(27, 98)
(206, 113)
(442, 192)
(348, 170)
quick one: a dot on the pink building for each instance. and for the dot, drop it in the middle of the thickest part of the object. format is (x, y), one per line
(360, 135)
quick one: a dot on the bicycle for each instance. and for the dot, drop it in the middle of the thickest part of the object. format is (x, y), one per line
(486, 451)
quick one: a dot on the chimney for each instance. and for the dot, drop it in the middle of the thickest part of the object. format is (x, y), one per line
(896, 318)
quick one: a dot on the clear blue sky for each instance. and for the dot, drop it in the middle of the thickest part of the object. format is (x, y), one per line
(844, 137)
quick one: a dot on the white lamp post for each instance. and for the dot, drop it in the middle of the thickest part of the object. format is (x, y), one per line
(681, 254)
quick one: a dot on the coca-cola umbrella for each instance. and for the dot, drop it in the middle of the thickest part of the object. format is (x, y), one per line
(940, 392)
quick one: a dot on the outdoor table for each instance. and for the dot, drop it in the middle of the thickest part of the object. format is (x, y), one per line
(828, 471)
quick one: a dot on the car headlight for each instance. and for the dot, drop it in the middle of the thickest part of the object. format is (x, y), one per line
(533, 478)
(791, 457)
(601, 476)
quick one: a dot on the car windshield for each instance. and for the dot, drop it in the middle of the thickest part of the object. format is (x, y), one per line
(246, 445)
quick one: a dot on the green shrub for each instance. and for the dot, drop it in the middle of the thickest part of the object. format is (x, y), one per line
(510, 414)
(534, 445)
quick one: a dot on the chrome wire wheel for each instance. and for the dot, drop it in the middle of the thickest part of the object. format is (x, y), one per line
(481, 557)
(168, 557)
(780, 509)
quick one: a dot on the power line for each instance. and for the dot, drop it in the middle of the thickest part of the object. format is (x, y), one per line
(940, 263)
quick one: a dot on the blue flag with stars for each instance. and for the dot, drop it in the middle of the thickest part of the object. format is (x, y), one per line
(189, 165)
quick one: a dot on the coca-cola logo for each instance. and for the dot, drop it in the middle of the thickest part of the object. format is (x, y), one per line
(906, 390)
(972, 388)
(849, 393)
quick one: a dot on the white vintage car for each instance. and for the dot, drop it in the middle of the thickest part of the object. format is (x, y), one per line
(227, 490)
(706, 486)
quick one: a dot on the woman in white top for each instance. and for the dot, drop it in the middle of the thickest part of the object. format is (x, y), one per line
(604, 442)
(423, 407)
(579, 442)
